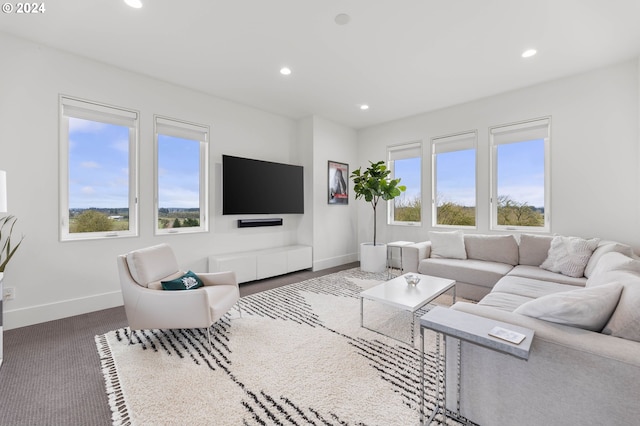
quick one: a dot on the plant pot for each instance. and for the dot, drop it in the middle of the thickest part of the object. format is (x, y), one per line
(373, 258)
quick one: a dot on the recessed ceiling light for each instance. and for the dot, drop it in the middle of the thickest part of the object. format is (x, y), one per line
(137, 4)
(342, 19)
(529, 53)
(364, 107)
(285, 71)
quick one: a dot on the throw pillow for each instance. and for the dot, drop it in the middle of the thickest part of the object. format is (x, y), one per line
(447, 244)
(605, 247)
(188, 281)
(588, 308)
(611, 266)
(625, 321)
(569, 255)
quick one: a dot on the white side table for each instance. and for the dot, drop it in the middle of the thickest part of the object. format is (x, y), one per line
(470, 328)
(391, 265)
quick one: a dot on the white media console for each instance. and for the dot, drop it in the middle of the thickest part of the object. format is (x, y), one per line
(265, 263)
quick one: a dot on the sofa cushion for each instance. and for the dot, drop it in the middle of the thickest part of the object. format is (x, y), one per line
(504, 301)
(588, 308)
(152, 264)
(533, 249)
(625, 321)
(529, 287)
(492, 248)
(448, 245)
(538, 273)
(478, 272)
(605, 247)
(569, 255)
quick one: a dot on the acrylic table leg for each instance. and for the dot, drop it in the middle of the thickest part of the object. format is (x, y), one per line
(421, 376)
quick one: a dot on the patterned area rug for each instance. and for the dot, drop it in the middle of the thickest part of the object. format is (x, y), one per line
(297, 356)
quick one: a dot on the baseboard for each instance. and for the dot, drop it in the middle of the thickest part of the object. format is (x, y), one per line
(318, 265)
(23, 317)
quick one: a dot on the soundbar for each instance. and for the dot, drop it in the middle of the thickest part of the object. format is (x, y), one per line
(252, 223)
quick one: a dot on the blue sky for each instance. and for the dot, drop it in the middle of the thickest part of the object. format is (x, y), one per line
(98, 164)
(178, 172)
(99, 167)
(98, 170)
(520, 174)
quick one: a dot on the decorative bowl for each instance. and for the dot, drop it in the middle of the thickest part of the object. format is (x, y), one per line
(412, 279)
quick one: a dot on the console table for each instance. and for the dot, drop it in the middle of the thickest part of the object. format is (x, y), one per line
(258, 264)
(470, 328)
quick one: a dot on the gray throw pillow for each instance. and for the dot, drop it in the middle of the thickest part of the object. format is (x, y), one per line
(569, 255)
(588, 308)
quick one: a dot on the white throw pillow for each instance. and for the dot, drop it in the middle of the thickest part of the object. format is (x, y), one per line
(447, 244)
(625, 321)
(588, 308)
(569, 255)
(611, 266)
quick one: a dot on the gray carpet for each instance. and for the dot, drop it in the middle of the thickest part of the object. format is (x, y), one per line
(51, 372)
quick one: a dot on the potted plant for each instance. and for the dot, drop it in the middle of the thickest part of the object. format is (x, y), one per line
(6, 250)
(374, 184)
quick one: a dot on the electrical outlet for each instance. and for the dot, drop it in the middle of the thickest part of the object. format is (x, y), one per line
(8, 293)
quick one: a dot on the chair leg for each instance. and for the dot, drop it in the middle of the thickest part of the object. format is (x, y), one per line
(130, 336)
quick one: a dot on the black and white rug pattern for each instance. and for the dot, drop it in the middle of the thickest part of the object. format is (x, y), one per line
(297, 356)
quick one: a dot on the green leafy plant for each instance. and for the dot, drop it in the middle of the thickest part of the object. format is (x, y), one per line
(374, 184)
(7, 250)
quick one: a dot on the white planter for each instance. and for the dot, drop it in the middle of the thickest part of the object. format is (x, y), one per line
(373, 258)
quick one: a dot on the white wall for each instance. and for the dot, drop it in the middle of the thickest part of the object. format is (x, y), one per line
(56, 279)
(334, 226)
(594, 152)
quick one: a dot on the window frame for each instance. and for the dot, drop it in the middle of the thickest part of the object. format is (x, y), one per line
(401, 152)
(521, 131)
(461, 141)
(191, 131)
(72, 107)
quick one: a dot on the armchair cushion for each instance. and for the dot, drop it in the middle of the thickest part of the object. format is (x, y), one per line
(187, 281)
(151, 264)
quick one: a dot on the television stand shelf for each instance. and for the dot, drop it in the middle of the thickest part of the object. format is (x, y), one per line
(258, 264)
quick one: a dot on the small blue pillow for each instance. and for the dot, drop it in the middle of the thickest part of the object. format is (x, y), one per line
(188, 281)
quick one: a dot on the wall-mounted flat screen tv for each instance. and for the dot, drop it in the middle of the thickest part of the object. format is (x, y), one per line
(261, 187)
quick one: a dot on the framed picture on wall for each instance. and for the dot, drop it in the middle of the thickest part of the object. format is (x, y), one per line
(338, 183)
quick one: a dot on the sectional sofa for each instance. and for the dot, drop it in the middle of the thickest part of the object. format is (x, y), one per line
(582, 299)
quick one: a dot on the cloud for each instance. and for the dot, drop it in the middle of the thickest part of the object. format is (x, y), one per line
(88, 190)
(77, 125)
(121, 145)
(90, 165)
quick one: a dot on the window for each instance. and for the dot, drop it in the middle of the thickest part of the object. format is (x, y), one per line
(182, 159)
(98, 177)
(454, 180)
(405, 163)
(520, 176)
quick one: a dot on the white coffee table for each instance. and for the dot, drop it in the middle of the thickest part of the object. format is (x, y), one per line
(399, 294)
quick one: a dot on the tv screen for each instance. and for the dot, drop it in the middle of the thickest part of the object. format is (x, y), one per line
(261, 187)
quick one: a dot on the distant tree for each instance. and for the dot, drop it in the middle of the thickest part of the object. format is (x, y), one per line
(92, 221)
(450, 213)
(176, 223)
(407, 210)
(511, 212)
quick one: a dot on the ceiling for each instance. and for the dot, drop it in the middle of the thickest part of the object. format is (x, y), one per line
(401, 57)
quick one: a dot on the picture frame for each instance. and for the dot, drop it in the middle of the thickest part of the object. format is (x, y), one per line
(338, 183)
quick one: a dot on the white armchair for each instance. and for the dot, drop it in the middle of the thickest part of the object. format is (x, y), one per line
(148, 306)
